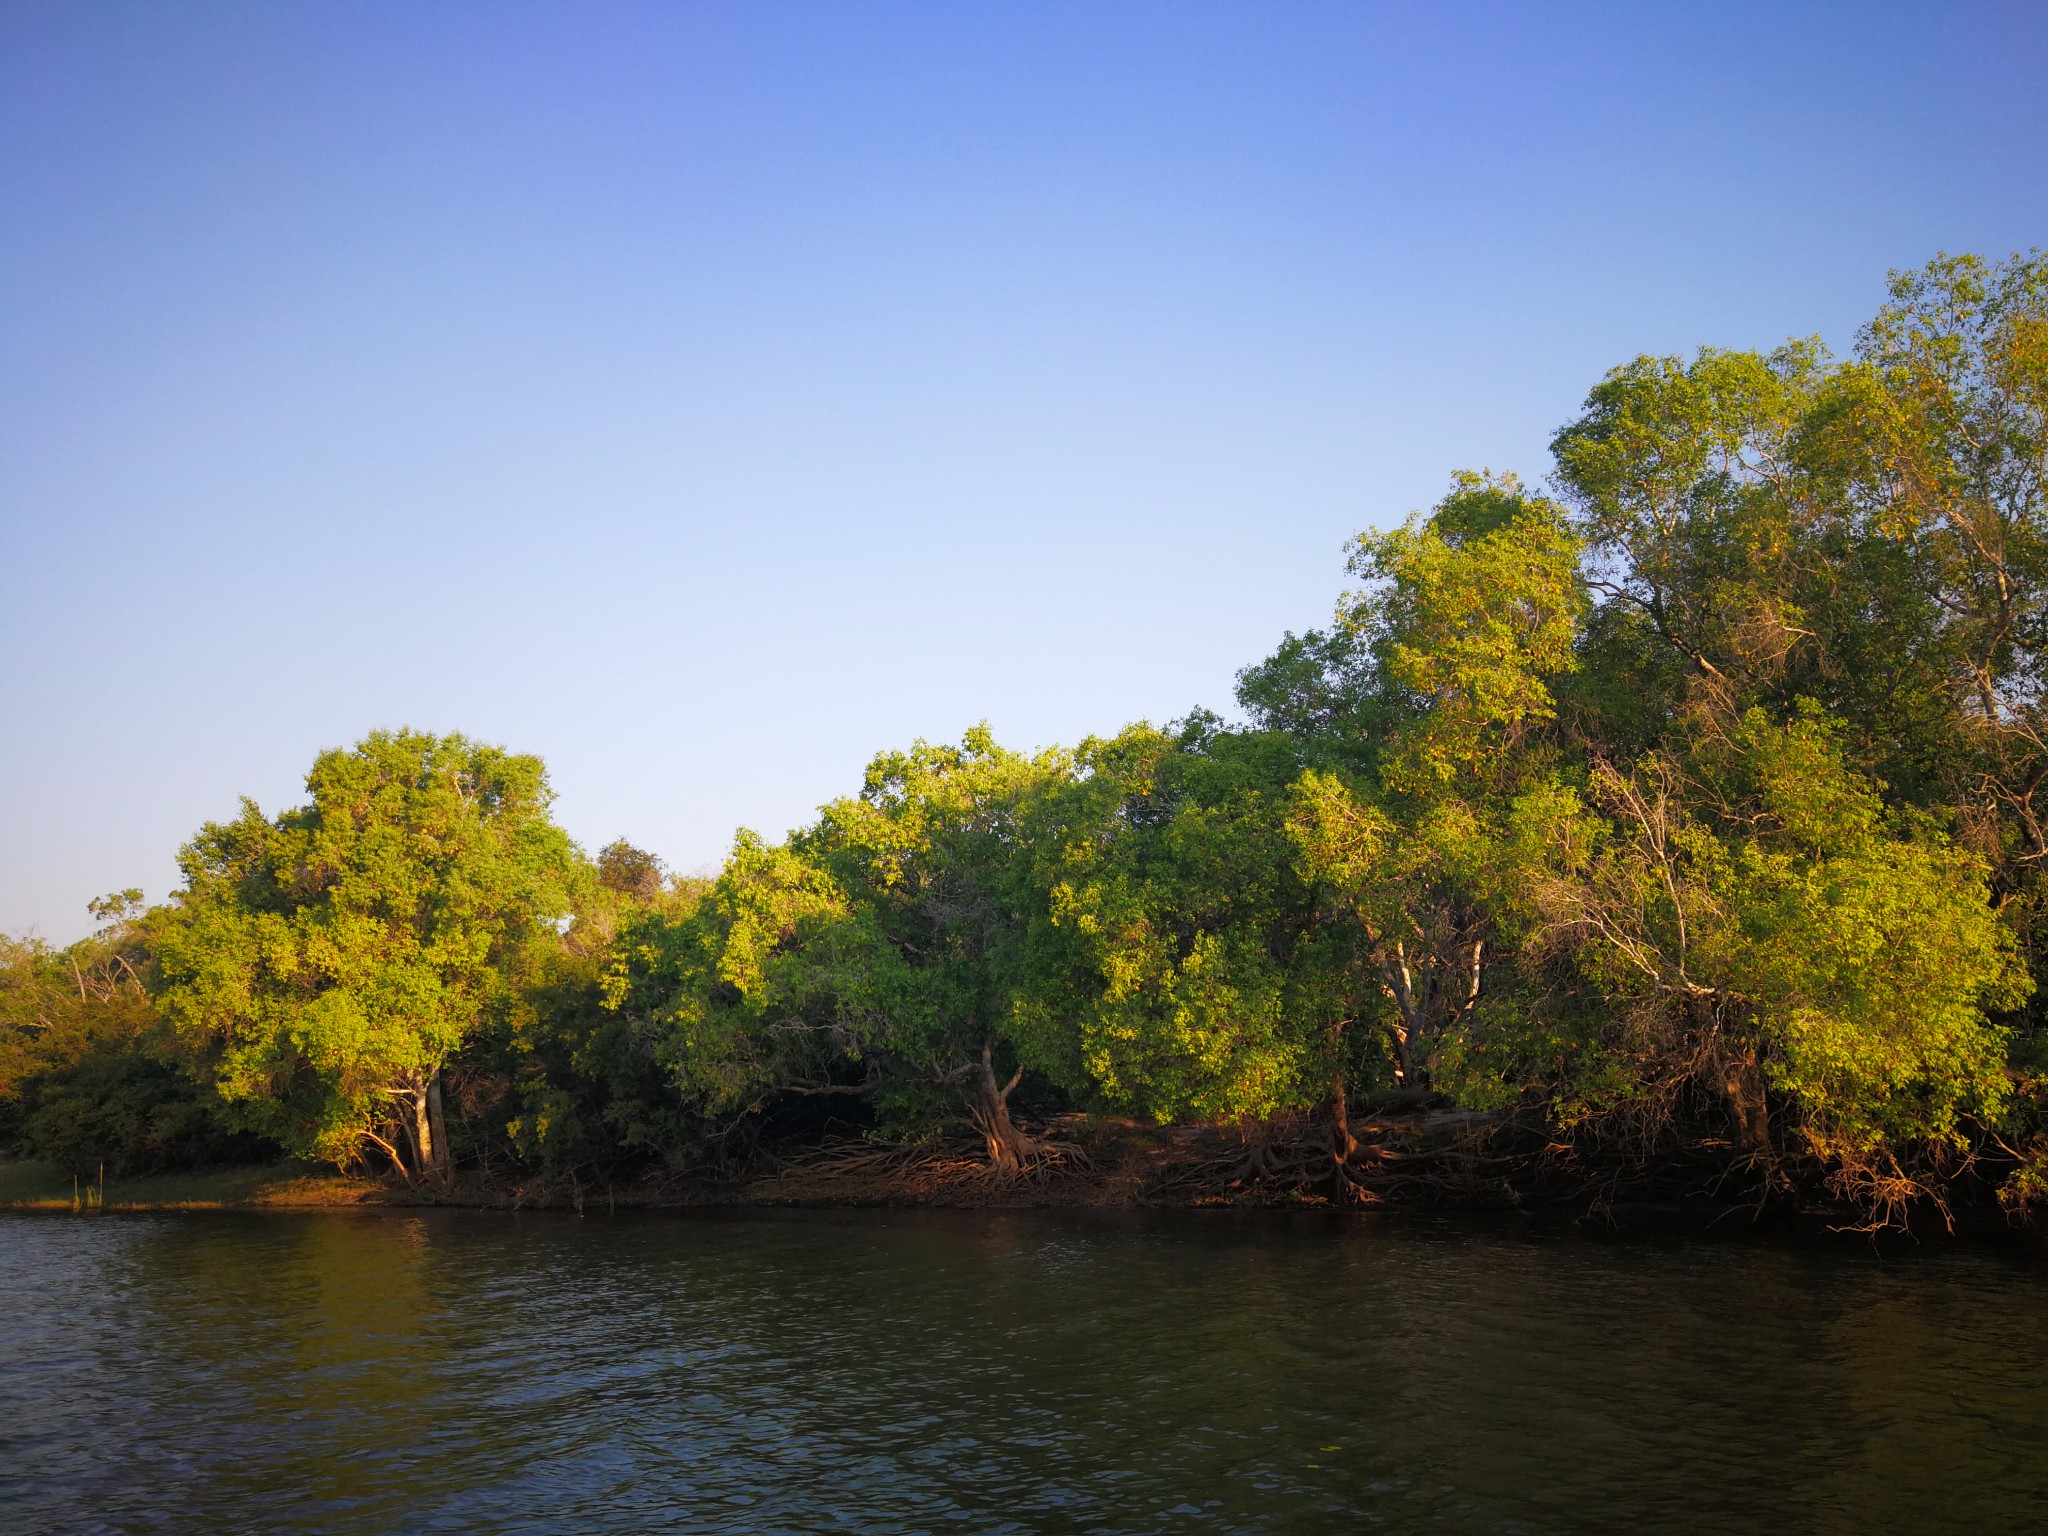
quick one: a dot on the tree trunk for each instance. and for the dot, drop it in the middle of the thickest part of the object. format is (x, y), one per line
(1413, 997)
(407, 1153)
(1406, 1026)
(425, 1151)
(1742, 1084)
(1342, 1142)
(1398, 1037)
(1411, 1058)
(1009, 1149)
(438, 1126)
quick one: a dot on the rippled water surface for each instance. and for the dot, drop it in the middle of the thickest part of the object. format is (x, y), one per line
(943, 1371)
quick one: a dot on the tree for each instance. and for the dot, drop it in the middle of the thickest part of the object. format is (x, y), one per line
(1753, 914)
(931, 858)
(873, 954)
(758, 989)
(1870, 534)
(1858, 549)
(90, 1078)
(1936, 447)
(1164, 970)
(631, 871)
(331, 960)
(1468, 615)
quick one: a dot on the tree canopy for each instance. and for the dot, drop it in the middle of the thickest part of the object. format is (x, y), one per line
(331, 960)
(1691, 801)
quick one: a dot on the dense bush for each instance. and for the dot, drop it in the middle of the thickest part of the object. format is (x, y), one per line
(90, 1077)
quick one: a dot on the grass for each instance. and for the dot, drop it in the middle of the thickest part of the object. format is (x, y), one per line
(46, 1186)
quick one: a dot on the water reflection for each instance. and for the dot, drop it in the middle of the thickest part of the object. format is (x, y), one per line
(901, 1372)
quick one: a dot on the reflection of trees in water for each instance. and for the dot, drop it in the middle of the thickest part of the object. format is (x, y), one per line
(297, 1362)
(1553, 1386)
(1942, 1373)
(934, 1370)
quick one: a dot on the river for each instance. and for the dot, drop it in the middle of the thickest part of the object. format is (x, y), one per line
(879, 1372)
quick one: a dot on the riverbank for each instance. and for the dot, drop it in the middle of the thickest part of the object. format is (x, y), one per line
(31, 1186)
(1442, 1160)
(1079, 1161)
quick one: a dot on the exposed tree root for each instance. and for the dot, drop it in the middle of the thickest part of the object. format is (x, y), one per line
(945, 1169)
(1425, 1158)
(1605, 1174)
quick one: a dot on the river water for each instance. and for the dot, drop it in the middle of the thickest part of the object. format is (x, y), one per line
(881, 1372)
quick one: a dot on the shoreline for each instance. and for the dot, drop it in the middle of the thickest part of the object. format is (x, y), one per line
(953, 1176)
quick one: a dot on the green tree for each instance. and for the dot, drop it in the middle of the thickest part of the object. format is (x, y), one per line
(1752, 915)
(1936, 445)
(1775, 535)
(1870, 534)
(560, 1081)
(874, 953)
(333, 959)
(1165, 970)
(90, 1077)
(1469, 615)
(757, 989)
(931, 855)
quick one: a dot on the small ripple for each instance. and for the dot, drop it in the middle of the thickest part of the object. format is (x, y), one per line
(859, 1372)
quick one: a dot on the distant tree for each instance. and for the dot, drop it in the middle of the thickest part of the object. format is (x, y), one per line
(631, 871)
(332, 960)
(118, 908)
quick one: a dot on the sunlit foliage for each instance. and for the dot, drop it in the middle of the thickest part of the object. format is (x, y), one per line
(1694, 800)
(332, 960)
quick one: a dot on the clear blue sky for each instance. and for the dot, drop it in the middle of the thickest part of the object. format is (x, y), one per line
(704, 396)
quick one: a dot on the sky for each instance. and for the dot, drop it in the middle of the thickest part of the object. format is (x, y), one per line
(706, 397)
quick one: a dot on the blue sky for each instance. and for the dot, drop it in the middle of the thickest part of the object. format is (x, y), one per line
(707, 396)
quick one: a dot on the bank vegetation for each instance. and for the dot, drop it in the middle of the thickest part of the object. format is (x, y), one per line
(1669, 835)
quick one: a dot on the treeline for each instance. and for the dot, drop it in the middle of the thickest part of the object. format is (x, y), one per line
(1693, 806)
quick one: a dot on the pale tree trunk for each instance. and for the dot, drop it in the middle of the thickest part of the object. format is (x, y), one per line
(425, 1127)
(1009, 1149)
(1411, 1003)
(408, 1133)
(437, 1124)
(1423, 1014)
(424, 1149)
(1404, 1073)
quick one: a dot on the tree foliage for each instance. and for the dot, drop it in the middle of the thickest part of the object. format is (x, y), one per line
(90, 1077)
(1695, 798)
(331, 961)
